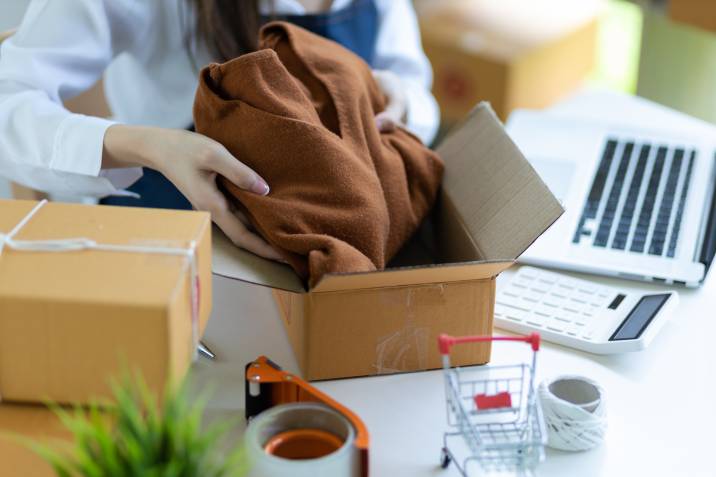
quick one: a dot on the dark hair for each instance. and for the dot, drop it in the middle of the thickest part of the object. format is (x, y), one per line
(229, 28)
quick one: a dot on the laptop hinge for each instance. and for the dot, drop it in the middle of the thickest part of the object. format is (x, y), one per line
(708, 246)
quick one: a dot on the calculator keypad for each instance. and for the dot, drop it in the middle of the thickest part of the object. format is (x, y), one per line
(553, 302)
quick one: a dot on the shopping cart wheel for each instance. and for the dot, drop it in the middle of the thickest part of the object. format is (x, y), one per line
(445, 459)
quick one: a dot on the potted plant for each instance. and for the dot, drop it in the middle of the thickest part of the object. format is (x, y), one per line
(139, 437)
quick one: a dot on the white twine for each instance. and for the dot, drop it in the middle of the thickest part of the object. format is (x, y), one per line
(79, 244)
(573, 426)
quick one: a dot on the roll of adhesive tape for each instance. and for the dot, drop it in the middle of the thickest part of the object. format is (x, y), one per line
(574, 410)
(301, 440)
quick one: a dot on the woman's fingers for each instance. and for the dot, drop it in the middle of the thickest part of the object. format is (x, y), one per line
(223, 215)
(233, 222)
(191, 162)
(241, 216)
(396, 110)
(243, 237)
(385, 122)
(222, 162)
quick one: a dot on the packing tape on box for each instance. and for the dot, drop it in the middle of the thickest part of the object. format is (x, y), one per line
(574, 410)
(405, 349)
(79, 244)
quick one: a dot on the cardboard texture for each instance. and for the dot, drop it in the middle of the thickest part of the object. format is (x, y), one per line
(71, 320)
(512, 53)
(698, 13)
(493, 206)
(28, 422)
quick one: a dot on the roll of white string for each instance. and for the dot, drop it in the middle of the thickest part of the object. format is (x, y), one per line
(574, 411)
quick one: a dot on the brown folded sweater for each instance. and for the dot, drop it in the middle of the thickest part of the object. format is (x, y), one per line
(300, 112)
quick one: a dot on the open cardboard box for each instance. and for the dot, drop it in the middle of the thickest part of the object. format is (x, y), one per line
(492, 207)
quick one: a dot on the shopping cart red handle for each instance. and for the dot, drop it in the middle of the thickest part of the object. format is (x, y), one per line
(445, 342)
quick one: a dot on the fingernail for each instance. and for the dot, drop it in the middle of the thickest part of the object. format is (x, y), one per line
(384, 124)
(260, 187)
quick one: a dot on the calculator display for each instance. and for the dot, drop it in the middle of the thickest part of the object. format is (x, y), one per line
(639, 317)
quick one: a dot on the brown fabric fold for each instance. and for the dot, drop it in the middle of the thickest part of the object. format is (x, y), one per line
(300, 112)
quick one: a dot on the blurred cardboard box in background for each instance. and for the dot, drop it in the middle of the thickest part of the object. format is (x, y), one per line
(512, 53)
(677, 64)
(698, 13)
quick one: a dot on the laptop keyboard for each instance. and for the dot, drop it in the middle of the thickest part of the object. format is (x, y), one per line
(636, 201)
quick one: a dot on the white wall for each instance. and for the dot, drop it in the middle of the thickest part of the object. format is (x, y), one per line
(12, 11)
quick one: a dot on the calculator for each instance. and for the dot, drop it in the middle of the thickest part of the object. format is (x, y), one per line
(580, 314)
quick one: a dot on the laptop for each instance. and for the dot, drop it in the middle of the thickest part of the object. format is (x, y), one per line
(639, 204)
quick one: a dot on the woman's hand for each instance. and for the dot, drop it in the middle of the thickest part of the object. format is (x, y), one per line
(191, 162)
(396, 111)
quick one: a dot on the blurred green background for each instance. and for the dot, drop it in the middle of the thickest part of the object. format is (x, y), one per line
(643, 52)
(618, 47)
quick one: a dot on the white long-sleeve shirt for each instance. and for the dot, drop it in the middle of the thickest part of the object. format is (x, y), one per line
(62, 47)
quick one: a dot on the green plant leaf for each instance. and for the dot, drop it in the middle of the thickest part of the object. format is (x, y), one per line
(141, 436)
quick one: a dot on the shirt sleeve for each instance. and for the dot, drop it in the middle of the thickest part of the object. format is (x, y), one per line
(399, 49)
(61, 49)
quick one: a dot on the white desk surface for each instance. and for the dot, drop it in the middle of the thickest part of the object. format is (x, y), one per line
(661, 401)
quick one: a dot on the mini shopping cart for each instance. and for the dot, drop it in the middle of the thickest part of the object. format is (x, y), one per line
(495, 421)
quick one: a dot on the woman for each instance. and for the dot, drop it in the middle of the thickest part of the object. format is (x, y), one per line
(149, 52)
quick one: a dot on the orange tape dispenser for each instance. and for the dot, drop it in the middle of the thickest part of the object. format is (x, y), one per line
(296, 430)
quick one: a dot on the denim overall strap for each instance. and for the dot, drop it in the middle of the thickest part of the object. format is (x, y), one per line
(355, 27)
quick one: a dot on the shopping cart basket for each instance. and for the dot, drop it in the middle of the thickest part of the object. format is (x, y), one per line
(494, 416)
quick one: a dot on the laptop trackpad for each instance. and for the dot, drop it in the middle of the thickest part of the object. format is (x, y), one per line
(557, 174)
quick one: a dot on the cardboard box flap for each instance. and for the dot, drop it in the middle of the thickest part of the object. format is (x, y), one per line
(232, 262)
(412, 276)
(501, 199)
